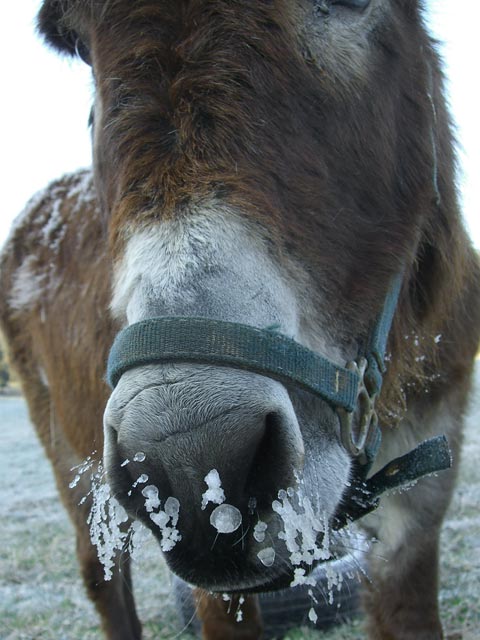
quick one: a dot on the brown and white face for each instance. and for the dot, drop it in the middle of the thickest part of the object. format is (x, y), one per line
(248, 163)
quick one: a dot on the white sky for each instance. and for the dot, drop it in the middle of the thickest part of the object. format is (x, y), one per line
(46, 101)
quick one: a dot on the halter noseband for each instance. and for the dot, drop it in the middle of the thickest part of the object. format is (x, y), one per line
(351, 390)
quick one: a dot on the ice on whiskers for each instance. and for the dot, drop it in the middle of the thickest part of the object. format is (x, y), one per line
(260, 530)
(152, 500)
(301, 528)
(111, 530)
(225, 518)
(107, 521)
(214, 492)
(166, 519)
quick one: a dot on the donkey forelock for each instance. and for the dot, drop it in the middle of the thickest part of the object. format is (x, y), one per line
(245, 102)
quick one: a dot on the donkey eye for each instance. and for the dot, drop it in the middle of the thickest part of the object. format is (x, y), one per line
(352, 4)
(83, 52)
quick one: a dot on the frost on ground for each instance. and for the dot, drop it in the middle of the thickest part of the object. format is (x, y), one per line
(41, 594)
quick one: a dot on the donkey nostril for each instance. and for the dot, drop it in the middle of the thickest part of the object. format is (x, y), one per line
(274, 462)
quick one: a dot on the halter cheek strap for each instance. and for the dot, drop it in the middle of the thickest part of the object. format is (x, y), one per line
(351, 390)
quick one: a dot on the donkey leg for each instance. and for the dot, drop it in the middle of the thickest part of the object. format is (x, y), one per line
(402, 602)
(113, 599)
(234, 619)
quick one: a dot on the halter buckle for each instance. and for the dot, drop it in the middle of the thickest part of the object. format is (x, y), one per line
(357, 427)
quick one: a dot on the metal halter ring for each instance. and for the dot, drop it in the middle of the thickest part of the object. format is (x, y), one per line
(365, 414)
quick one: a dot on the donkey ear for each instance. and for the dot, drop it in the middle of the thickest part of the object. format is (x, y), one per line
(51, 23)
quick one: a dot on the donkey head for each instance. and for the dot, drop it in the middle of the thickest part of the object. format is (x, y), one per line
(265, 163)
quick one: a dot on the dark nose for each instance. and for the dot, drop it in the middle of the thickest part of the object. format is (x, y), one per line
(210, 437)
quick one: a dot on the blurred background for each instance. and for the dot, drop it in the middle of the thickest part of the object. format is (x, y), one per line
(46, 101)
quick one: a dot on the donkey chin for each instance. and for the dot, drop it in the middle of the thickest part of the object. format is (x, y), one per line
(221, 445)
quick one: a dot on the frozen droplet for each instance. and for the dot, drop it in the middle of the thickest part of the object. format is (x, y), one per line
(160, 519)
(213, 479)
(172, 509)
(312, 615)
(74, 482)
(226, 518)
(125, 462)
(139, 457)
(267, 556)
(141, 480)
(259, 531)
(214, 493)
(152, 501)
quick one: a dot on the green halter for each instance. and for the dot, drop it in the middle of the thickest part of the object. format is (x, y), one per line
(351, 391)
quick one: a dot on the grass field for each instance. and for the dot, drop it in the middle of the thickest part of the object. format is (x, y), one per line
(41, 595)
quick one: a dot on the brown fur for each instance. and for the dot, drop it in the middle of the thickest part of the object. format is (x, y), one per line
(219, 618)
(220, 100)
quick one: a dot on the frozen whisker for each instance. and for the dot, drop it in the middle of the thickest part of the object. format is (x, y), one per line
(302, 527)
(239, 612)
(112, 532)
(85, 465)
(309, 541)
(214, 541)
(80, 469)
(242, 537)
(312, 597)
(140, 480)
(107, 520)
(312, 616)
(74, 482)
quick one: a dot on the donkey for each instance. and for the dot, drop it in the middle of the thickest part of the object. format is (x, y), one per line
(270, 164)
